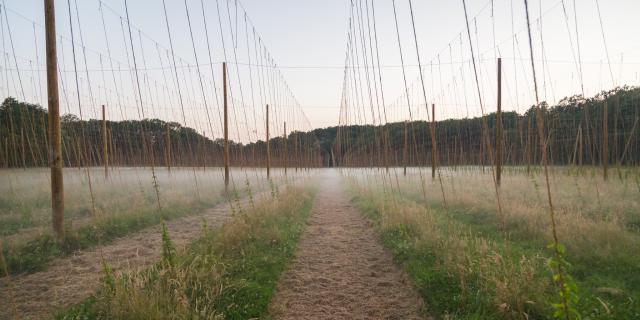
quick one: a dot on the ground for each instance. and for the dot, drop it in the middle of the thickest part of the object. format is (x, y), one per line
(341, 271)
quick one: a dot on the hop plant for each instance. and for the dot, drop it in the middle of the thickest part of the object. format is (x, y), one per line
(168, 249)
(565, 307)
(109, 280)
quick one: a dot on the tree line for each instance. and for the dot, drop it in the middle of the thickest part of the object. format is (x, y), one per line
(578, 131)
(24, 143)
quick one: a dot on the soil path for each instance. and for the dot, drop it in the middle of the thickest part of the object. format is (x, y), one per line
(71, 279)
(341, 271)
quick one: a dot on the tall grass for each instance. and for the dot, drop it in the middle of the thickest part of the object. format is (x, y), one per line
(125, 203)
(230, 273)
(466, 268)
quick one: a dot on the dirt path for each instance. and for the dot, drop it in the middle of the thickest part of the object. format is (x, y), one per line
(341, 271)
(69, 280)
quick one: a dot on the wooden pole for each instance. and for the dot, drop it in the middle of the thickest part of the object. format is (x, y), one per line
(268, 146)
(605, 141)
(55, 136)
(499, 126)
(434, 148)
(286, 154)
(226, 128)
(105, 144)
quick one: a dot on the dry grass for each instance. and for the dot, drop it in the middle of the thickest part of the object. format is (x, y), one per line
(229, 273)
(596, 220)
(124, 203)
(25, 197)
(595, 217)
(474, 268)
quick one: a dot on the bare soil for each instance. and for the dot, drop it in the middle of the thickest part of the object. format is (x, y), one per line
(69, 280)
(340, 270)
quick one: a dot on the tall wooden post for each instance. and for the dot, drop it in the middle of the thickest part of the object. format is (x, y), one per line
(55, 136)
(605, 141)
(286, 154)
(499, 126)
(226, 128)
(434, 149)
(405, 150)
(268, 146)
(105, 144)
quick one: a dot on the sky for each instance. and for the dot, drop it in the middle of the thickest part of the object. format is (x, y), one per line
(308, 41)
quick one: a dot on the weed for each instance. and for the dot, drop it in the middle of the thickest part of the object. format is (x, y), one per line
(230, 273)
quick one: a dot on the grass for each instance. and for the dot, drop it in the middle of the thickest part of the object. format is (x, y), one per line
(231, 272)
(34, 255)
(459, 275)
(465, 269)
(125, 203)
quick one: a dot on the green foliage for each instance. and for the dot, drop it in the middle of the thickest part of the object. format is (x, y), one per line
(25, 124)
(168, 249)
(608, 282)
(230, 272)
(447, 293)
(34, 255)
(566, 306)
(453, 135)
(109, 281)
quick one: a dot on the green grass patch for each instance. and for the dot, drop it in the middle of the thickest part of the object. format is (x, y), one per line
(458, 292)
(610, 286)
(33, 255)
(231, 272)
(470, 288)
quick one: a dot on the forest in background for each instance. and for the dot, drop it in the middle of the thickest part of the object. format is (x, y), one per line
(575, 128)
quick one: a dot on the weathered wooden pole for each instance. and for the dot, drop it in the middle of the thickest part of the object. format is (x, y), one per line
(268, 146)
(286, 154)
(605, 141)
(55, 136)
(434, 149)
(499, 126)
(105, 144)
(226, 127)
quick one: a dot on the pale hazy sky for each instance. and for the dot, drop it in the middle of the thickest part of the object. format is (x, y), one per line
(307, 39)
